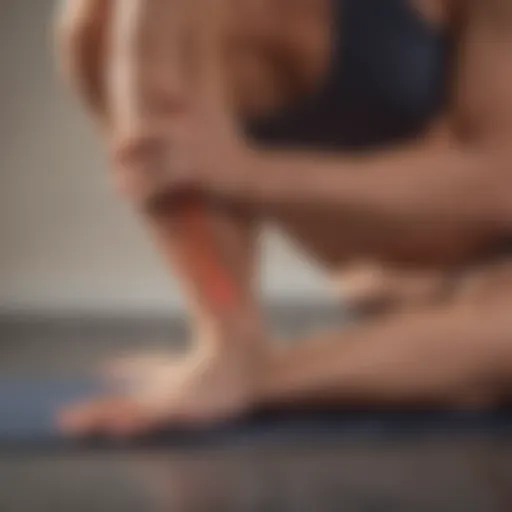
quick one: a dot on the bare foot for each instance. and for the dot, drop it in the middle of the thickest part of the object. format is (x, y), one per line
(134, 369)
(194, 391)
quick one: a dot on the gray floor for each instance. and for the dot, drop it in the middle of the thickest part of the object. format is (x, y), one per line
(413, 475)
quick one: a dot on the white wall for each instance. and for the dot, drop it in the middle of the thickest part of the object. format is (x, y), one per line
(66, 241)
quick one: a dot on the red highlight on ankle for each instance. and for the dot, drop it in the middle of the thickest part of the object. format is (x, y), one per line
(204, 259)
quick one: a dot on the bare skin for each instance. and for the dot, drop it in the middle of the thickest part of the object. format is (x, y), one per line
(233, 368)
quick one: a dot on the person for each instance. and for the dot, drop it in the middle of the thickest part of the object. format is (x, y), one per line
(369, 130)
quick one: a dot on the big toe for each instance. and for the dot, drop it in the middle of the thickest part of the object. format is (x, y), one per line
(113, 417)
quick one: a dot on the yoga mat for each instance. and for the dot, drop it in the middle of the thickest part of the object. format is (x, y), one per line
(28, 409)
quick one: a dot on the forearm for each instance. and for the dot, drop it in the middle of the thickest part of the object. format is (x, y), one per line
(420, 193)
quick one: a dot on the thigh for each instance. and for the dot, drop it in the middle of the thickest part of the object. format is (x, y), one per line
(320, 235)
(362, 283)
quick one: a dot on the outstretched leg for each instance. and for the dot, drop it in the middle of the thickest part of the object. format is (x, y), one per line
(453, 354)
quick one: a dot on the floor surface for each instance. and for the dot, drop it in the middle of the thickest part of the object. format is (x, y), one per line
(445, 473)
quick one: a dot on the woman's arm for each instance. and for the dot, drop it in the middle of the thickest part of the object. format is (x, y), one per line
(430, 199)
(421, 186)
(460, 188)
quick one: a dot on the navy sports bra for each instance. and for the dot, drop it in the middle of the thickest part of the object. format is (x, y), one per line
(388, 79)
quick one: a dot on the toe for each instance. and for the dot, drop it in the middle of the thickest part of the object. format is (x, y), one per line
(115, 418)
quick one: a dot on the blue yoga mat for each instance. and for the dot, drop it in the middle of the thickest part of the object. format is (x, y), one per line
(28, 409)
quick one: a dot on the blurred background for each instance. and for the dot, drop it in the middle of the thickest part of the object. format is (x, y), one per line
(69, 244)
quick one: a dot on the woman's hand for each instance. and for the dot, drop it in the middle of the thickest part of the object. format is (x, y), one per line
(209, 150)
(201, 149)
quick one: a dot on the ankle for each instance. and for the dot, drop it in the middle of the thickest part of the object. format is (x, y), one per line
(243, 337)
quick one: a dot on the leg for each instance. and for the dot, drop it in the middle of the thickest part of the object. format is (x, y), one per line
(212, 381)
(226, 236)
(364, 286)
(220, 242)
(455, 354)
